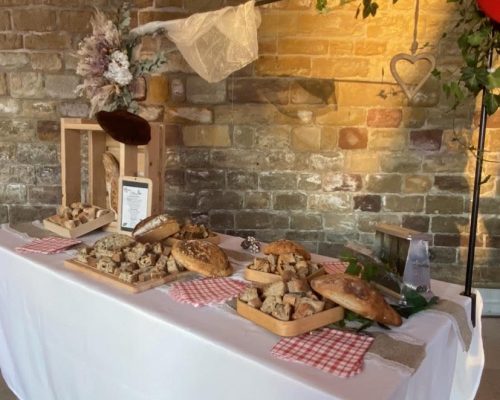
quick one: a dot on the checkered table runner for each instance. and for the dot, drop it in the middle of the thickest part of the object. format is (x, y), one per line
(337, 352)
(48, 245)
(335, 266)
(202, 292)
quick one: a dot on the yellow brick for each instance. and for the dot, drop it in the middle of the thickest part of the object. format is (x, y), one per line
(298, 4)
(306, 138)
(387, 139)
(283, 65)
(280, 23)
(343, 117)
(391, 27)
(437, 5)
(358, 94)
(206, 136)
(335, 24)
(362, 161)
(369, 48)
(341, 47)
(414, 117)
(340, 67)
(267, 46)
(157, 91)
(302, 46)
(329, 139)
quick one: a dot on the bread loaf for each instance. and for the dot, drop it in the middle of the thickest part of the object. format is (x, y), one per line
(155, 228)
(285, 247)
(202, 257)
(111, 175)
(356, 295)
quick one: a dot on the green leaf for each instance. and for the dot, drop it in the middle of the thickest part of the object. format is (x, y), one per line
(490, 102)
(354, 268)
(436, 73)
(370, 272)
(476, 38)
(415, 303)
(493, 79)
(321, 5)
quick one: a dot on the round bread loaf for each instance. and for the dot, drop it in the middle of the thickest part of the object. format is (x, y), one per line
(356, 295)
(155, 228)
(114, 242)
(284, 246)
(202, 257)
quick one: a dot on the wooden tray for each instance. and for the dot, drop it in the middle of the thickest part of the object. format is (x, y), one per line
(213, 239)
(289, 328)
(111, 280)
(265, 277)
(80, 230)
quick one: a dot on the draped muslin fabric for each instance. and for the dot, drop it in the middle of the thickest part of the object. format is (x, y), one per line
(217, 43)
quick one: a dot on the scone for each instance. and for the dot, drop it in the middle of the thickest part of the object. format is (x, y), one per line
(285, 247)
(202, 257)
(356, 295)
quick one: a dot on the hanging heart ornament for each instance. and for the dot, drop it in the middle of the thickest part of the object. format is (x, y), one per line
(412, 90)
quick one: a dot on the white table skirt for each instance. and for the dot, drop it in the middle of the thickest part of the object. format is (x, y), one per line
(65, 336)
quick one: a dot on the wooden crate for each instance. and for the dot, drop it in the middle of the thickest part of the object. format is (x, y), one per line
(80, 230)
(146, 161)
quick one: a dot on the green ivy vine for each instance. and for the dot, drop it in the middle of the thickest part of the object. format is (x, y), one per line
(478, 35)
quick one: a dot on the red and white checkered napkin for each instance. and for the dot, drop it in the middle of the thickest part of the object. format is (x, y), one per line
(337, 352)
(202, 292)
(48, 245)
(335, 267)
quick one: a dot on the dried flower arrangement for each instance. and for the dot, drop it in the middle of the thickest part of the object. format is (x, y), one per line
(108, 64)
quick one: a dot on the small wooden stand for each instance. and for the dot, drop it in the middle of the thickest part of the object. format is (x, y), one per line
(80, 230)
(146, 161)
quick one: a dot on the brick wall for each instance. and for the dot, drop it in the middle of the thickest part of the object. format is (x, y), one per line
(313, 142)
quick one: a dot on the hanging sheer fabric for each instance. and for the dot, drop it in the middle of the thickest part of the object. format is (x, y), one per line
(215, 43)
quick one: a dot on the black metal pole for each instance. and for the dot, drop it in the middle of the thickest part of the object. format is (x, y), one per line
(475, 201)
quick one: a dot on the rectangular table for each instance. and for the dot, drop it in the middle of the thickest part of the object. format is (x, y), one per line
(66, 336)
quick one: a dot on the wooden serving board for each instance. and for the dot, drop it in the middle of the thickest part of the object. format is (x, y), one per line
(111, 280)
(289, 328)
(80, 230)
(265, 277)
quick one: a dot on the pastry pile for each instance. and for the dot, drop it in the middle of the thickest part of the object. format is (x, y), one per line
(285, 258)
(77, 214)
(190, 231)
(129, 260)
(285, 301)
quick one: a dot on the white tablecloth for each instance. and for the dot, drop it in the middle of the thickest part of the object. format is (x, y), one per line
(65, 336)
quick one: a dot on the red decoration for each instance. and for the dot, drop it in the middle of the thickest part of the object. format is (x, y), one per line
(491, 8)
